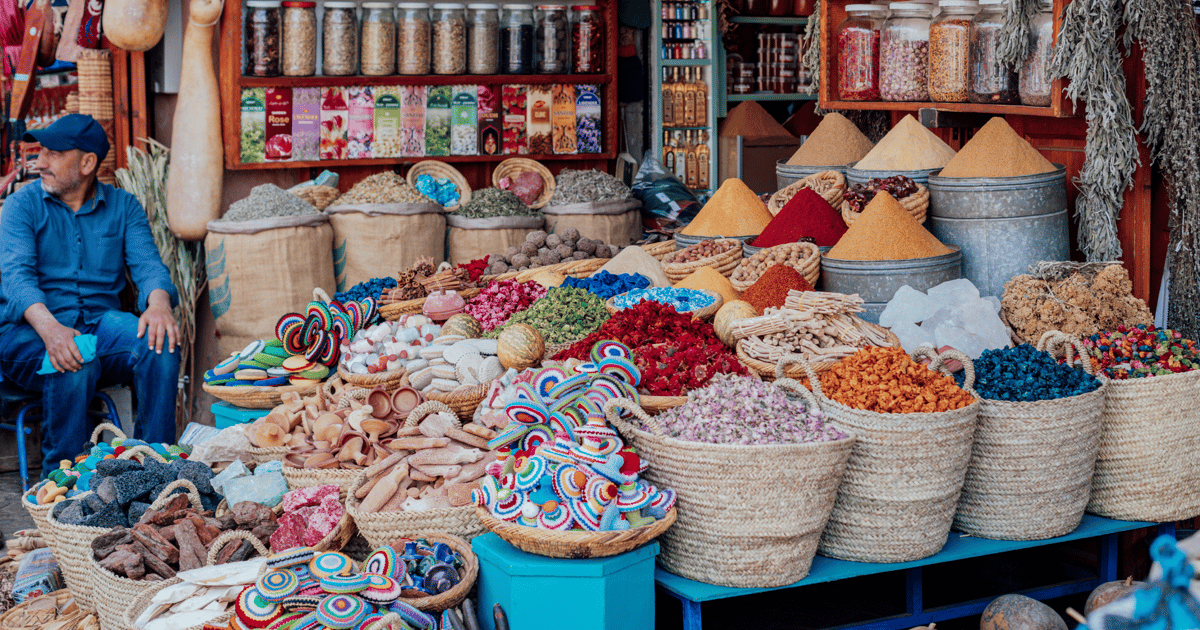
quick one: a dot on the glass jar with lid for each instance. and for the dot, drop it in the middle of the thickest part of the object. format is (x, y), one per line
(339, 31)
(587, 38)
(858, 52)
(516, 39)
(483, 38)
(449, 38)
(904, 53)
(412, 38)
(949, 51)
(1035, 82)
(552, 39)
(378, 39)
(263, 22)
(299, 38)
(992, 81)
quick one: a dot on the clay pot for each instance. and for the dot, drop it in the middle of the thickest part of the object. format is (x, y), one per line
(405, 400)
(380, 402)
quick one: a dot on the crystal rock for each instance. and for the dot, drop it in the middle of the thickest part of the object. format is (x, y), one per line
(907, 306)
(954, 292)
(266, 489)
(911, 336)
(235, 470)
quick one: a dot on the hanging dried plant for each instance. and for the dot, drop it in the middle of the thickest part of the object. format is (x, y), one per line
(810, 60)
(1014, 37)
(724, 11)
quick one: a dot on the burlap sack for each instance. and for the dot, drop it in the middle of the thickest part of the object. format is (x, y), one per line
(372, 240)
(259, 270)
(472, 239)
(612, 222)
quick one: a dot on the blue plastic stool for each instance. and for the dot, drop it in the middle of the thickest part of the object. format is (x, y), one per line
(11, 396)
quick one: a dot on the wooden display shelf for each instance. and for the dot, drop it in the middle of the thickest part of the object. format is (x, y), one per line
(391, 161)
(431, 79)
(768, 20)
(771, 97)
(833, 12)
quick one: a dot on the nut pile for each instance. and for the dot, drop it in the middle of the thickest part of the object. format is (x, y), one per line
(702, 250)
(793, 255)
(386, 187)
(898, 186)
(541, 249)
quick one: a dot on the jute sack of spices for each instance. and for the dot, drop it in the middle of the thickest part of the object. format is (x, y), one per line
(368, 237)
(260, 268)
(613, 222)
(471, 239)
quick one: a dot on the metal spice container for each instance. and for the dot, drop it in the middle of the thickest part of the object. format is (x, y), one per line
(299, 38)
(412, 38)
(483, 38)
(340, 34)
(858, 52)
(1035, 83)
(949, 51)
(553, 31)
(904, 53)
(378, 39)
(449, 38)
(262, 38)
(587, 35)
(992, 81)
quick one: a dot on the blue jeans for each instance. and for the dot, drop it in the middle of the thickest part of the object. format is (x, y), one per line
(120, 358)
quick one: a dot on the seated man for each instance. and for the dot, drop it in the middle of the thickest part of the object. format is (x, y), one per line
(67, 239)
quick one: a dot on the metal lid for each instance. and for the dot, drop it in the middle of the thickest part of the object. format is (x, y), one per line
(449, 5)
(518, 7)
(338, 4)
(867, 8)
(909, 7)
(263, 4)
(412, 5)
(377, 5)
(484, 6)
(299, 4)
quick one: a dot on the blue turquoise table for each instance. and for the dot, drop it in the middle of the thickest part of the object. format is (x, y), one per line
(692, 594)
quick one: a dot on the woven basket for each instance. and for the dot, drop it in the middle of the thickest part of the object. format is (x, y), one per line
(810, 267)
(112, 593)
(38, 512)
(576, 545)
(25, 616)
(572, 268)
(655, 405)
(255, 397)
(704, 313)
(829, 184)
(139, 603)
(660, 250)
(733, 504)
(769, 370)
(916, 204)
(267, 454)
(1031, 467)
(724, 262)
(390, 379)
(393, 311)
(515, 166)
(306, 477)
(1148, 468)
(319, 196)
(463, 401)
(441, 170)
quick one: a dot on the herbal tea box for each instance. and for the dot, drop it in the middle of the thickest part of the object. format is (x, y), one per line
(361, 131)
(464, 126)
(254, 125)
(514, 106)
(387, 122)
(562, 119)
(412, 120)
(537, 125)
(306, 123)
(587, 119)
(278, 105)
(438, 120)
(335, 120)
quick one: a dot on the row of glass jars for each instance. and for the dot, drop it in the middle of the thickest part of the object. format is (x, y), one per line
(911, 56)
(417, 38)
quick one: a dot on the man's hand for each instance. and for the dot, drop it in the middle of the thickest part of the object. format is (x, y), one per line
(60, 345)
(158, 321)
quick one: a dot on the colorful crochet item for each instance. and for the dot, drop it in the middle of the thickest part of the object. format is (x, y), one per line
(277, 585)
(383, 561)
(413, 616)
(291, 558)
(302, 602)
(381, 590)
(342, 612)
(345, 584)
(255, 612)
(330, 563)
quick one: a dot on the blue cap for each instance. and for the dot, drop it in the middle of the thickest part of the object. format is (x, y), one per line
(73, 131)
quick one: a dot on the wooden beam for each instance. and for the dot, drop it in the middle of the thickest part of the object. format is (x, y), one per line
(139, 99)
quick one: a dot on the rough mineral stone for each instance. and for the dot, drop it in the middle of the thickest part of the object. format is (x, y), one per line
(290, 533)
(137, 510)
(206, 531)
(114, 467)
(153, 563)
(249, 514)
(243, 552)
(93, 503)
(107, 489)
(171, 512)
(105, 544)
(265, 489)
(227, 521)
(311, 495)
(164, 472)
(274, 466)
(111, 516)
(210, 501)
(124, 562)
(263, 532)
(71, 514)
(233, 471)
(225, 556)
(155, 543)
(135, 485)
(199, 474)
(192, 554)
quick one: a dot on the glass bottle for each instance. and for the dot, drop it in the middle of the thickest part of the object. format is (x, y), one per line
(1035, 83)
(693, 179)
(668, 153)
(858, 52)
(339, 31)
(992, 81)
(780, 8)
(378, 39)
(757, 7)
(689, 99)
(483, 38)
(553, 39)
(702, 162)
(680, 158)
(413, 43)
(516, 39)
(668, 97)
(263, 23)
(587, 37)
(680, 113)
(701, 87)
(949, 51)
(449, 22)
(299, 38)
(904, 53)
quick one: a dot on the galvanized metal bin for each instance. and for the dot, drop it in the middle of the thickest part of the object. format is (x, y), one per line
(1002, 224)
(876, 281)
(788, 174)
(857, 176)
(682, 241)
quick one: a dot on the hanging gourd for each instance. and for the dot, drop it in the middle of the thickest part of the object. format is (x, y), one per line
(134, 25)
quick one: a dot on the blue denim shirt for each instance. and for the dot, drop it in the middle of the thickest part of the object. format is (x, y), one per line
(73, 262)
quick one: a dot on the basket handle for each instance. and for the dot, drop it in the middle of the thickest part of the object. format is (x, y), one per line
(214, 550)
(319, 294)
(193, 494)
(390, 621)
(938, 364)
(144, 451)
(105, 426)
(1053, 342)
(782, 380)
(430, 406)
(611, 414)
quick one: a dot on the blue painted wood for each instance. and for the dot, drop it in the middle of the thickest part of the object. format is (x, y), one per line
(914, 589)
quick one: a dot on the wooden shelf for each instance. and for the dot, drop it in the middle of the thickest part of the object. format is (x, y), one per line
(686, 62)
(1018, 110)
(427, 79)
(766, 19)
(771, 97)
(393, 161)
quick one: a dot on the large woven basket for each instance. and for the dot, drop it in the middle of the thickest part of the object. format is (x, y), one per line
(254, 397)
(306, 477)
(829, 184)
(897, 500)
(393, 311)
(703, 313)
(810, 266)
(724, 262)
(38, 512)
(760, 510)
(769, 371)
(390, 379)
(515, 166)
(441, 170)
(576, 545)
(463, 401)
(916, 204)
(381, 528)
(34, 614)
(660, 250)
(1031, 467)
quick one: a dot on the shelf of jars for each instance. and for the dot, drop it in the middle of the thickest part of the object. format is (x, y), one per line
(910, 60)
(684, 92)
(737, 98)
(767, 19)
(338, 83)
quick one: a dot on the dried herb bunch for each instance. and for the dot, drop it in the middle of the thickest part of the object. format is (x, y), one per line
(1014, 38)
(810, 59)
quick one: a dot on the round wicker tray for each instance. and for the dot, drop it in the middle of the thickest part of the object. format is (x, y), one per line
(439, 169)
(514, 166)
(463, 400)
(252, 397)
(725, 262)
(916, 204)
(574, 544)
(810, 268)
(831, 185)
(468, 575)
(390, 379)
(703, 313)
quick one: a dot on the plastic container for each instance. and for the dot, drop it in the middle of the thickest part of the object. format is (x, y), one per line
(483, 38)
(516, 39)
(413, 44)
(949, 51)
(992, 81)
(553, 39)
(1035, 83)
(449, 51)
(904, 53)
(587, 39)
(858, 52)
(299, 38)
(263, 26)
(339, 30)
(378, 39)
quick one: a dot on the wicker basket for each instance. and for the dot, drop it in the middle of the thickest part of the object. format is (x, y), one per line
(441, 170)
(319, 196)
(660, 250)
(916, 204)
(572, 268)
(704, 313)
(655, 405)
(306, 477)
(768, 370)
(393, 311)
(463, 401)
(390, 379)
(38, 512)
(724, 262)
(829, 184)
(255, 397)
(381, 528)
(1031, 467)
(576, 545)
(515, 166)
(31, 615)
(897, 500)
(732, 505)
(810, 267)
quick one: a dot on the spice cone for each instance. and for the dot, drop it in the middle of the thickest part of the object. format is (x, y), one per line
(734, 210)
(835, 142)
(997, 151)
(707, 278)
(907, 147)
(750, 120)
(885, 231)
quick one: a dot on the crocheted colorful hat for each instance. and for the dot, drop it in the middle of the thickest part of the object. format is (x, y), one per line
(344, 584)
(277, 585)
(330, 563)
(381, 590)
(291, 558)
(342, 612)
(255, 612)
